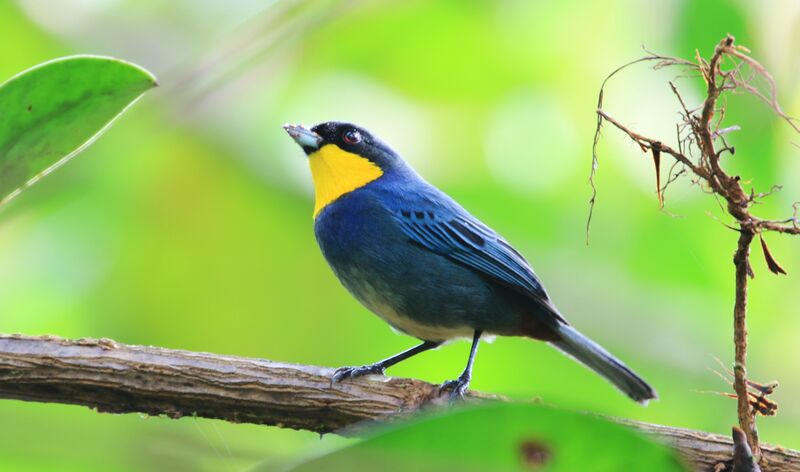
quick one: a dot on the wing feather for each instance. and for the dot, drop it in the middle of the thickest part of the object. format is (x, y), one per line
(467, 241)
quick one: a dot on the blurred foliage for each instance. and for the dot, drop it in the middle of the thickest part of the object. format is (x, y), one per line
(520, 437)
(51, 111)
(188, 224)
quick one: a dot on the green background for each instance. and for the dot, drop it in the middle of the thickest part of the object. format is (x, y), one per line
(188, 224)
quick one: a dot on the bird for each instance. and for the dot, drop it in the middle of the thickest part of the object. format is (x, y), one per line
(416, 258)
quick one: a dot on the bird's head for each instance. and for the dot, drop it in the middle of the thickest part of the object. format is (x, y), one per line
(343, 157)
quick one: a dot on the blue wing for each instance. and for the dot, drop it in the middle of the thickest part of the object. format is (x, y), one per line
(454, 233)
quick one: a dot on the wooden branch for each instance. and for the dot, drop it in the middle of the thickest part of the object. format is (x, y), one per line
(118, 378)
(741, 259)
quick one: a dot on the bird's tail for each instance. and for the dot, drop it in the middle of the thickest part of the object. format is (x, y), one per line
(601, 361)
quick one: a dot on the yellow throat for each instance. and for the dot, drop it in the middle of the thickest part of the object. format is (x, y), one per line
(336, 172)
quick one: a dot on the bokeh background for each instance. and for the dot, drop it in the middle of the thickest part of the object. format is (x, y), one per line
(188, 225)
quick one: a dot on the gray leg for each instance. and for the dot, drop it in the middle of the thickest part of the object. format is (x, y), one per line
(458, 386)
(380, 367)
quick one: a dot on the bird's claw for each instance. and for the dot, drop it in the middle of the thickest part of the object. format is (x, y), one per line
(343, 373)
(457, 387)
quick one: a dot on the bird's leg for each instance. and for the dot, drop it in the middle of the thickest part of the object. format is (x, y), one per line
(458, 386)
(379, 367)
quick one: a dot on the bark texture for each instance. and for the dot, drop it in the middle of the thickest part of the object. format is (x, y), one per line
(118, 378)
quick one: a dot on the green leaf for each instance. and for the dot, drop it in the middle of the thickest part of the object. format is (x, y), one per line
(502, 437)
(51, 112)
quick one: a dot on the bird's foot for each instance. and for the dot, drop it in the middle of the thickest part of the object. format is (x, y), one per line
(457, 387)
(343, 373)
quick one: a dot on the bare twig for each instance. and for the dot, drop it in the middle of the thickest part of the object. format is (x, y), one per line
(648, 143)
(708, 170)
(118, 378)
(743, 272)
(663, 61)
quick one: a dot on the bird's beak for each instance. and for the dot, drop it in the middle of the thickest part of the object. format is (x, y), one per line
(307, 139)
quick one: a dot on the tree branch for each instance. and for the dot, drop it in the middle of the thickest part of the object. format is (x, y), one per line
(741, 260)
(118, 378)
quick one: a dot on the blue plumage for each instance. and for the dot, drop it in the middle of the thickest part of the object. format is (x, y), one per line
(402, 244)
(416, 258)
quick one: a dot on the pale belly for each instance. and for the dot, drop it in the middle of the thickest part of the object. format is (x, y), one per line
(379, 302)
(427, 332)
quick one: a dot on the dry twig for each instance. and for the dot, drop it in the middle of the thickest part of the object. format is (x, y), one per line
(729, 69)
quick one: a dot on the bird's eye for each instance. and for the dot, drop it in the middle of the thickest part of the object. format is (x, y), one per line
(351, 136)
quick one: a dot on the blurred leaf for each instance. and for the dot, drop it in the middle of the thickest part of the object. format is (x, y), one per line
(54, 110)
(502, 437)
